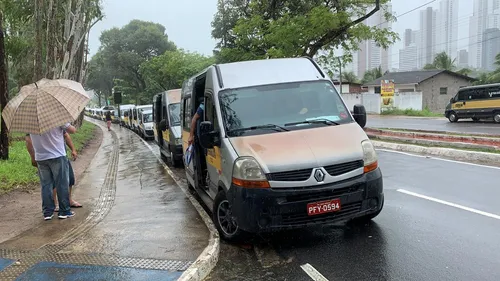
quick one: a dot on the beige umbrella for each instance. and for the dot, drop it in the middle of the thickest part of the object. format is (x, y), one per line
(44, 105)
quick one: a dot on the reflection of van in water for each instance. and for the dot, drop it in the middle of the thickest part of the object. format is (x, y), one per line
(476, 102)
(167, 125)
(278, 148)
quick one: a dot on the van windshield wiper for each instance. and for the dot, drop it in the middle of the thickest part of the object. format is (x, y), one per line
(314, 121)
(265, 127)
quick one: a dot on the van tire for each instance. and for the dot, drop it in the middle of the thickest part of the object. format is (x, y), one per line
(452, 116)
(496, 117)
(176, 163)
(227, 233)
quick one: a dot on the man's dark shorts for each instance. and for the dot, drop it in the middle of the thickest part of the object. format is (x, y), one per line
(71, 174)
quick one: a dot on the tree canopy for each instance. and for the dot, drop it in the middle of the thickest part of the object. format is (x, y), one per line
(258, 29)
(140, 61)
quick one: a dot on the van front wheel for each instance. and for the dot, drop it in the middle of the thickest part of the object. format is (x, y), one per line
(224, 221)
(496, 117)
(453, 117)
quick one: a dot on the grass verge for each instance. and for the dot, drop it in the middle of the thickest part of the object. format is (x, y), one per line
(411, 112)
(17, 172)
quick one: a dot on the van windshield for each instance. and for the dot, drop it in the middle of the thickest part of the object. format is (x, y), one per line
(175, 113)
(291, 105)
(148, 117)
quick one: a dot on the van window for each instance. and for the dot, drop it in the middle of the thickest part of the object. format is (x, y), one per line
(187, 114)
(463, 95)
(175, 114)
(280, 104)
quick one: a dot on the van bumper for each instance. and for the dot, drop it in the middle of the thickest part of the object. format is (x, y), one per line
(265, 210)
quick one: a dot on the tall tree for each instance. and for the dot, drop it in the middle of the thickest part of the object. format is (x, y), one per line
(4, 138)
(268, 28)
(169, 70)
(123, 51)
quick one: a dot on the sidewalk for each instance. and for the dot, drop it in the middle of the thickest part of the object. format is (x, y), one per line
(140, 226)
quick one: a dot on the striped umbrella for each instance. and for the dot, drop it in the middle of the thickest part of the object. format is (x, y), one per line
(45, 105)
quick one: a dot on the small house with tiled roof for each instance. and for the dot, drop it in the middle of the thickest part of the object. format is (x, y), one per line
(436, 86)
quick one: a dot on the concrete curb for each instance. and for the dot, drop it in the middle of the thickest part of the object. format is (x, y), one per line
(436, 135)
(434, 143)
(440, 151)
(207, 260)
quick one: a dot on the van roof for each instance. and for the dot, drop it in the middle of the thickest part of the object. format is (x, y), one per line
(268, 71)
(143, 106)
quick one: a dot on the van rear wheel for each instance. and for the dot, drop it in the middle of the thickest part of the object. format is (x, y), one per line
(224, 221)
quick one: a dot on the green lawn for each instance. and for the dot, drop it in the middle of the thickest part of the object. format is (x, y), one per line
(412, 112)
(17, 172)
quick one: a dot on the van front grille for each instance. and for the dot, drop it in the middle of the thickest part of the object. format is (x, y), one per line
(340, 169)
(295, 175)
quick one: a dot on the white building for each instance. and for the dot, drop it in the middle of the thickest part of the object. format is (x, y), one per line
(447, 28)
(408, 58)
(485, 15)
(427, 44)
(370, 55)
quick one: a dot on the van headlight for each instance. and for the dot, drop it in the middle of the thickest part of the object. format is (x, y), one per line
(248, 173)
(370, 158)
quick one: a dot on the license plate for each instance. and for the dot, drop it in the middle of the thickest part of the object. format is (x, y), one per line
(323, 207)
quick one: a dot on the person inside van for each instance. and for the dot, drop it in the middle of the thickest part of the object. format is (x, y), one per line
(194, 121)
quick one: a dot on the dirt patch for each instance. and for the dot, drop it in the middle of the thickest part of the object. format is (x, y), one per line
(21, 208)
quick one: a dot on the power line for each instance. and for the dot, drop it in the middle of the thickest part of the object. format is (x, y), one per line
(412, 10)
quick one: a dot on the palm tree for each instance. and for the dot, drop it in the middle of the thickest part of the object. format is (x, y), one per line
(349, 77)
(465, 71)
(429, 66)
(443, 61)
(372, 74)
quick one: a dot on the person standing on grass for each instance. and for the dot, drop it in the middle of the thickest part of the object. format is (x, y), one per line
(50, 157)
(108, 120)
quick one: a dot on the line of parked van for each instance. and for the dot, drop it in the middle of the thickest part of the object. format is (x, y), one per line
(276, 147)
(136, 118)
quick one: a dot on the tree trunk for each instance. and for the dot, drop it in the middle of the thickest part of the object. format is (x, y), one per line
(51, 39)
(38, 40)
(4, 137)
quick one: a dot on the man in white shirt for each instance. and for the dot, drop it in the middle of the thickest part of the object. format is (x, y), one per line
(50, 158)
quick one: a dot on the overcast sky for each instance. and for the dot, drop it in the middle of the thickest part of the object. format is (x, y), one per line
(188, 21)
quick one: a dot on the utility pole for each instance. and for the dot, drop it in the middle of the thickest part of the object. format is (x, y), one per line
(340, 73)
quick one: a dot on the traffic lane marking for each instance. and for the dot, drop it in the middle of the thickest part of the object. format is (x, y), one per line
(440, 159)
(313, 273)
(465, 208)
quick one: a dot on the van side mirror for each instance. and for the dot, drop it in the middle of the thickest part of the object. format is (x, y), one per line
(452, 100)
(163, 125)
(359, 114)
(208, 137)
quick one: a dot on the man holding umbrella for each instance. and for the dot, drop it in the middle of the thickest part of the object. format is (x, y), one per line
(44, 110)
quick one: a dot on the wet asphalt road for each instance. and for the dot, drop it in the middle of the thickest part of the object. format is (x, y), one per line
(414, 238)
(433, 124)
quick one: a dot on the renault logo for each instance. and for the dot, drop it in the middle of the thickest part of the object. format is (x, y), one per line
(319, 175)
